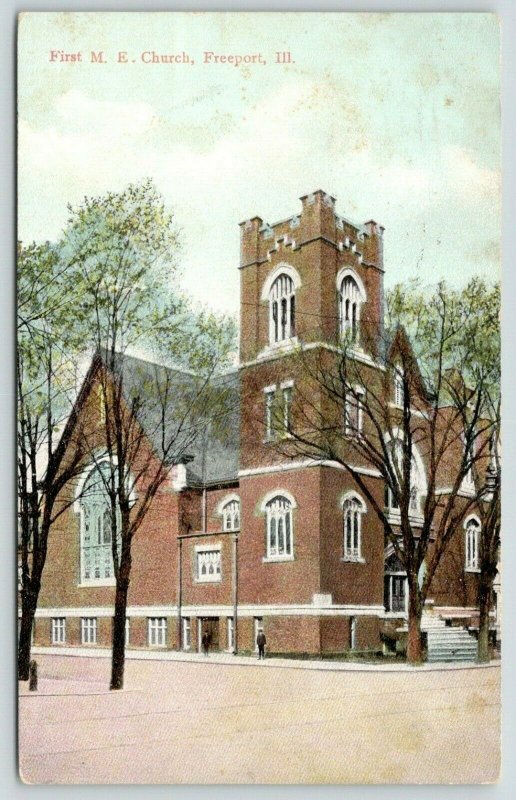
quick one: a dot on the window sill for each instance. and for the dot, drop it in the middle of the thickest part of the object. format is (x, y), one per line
(474, 570)
(97, 582)
(208, 580)
(276, 559)
(275, 348)
(394, 517)
(354, 559)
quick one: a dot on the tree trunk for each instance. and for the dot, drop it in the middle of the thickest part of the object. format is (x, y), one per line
(29, 603)
(118, 645)
(414, 641)
(484, 605)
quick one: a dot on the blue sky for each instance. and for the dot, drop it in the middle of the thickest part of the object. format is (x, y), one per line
(396, 115)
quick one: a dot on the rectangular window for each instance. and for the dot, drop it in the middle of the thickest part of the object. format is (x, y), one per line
(396, 593)
(127, 630)
(58, 630)
(157, 627)
(287, 407)
(208, 564)
(187, 633)
(231, 634)
(352, 633)
(89, 630)
(269, 412)
(353, 411)
(390, 500)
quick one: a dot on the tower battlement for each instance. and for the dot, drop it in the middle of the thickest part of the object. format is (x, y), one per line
(316, 220)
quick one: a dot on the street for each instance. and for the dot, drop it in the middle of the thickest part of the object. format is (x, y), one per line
(208, 722)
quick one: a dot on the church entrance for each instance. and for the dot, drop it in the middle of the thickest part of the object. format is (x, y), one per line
(209, 625)
(395, 586)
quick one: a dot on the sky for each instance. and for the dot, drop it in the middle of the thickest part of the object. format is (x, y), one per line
(395, 115)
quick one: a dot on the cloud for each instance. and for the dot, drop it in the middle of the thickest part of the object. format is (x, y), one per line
(302, 135)
(112, 118)
(469, 178)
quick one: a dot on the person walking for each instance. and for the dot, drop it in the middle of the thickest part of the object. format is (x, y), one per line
(205, 642)
(261, 641)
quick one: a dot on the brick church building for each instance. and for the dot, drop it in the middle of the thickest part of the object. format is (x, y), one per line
(242, 536)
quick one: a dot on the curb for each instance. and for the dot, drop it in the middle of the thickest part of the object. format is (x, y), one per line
(220, 659)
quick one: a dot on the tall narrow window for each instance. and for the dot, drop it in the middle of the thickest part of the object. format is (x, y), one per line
(157, 631)
(472, 544)
(399, 389)
(469, 454)
(269, 412)
(395, 585)
(353, 410)
(390, 499)
(96, 527)
(279, 528)
(89, 630)
(187, 633)
(58, 630)
(231, 516)
(231, 633)
(282, 309)
(352, 633)
(287, 408)
(417, 479)
(353, 508)
(350, 301)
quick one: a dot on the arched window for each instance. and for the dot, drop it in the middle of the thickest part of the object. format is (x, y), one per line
(417, 478)
(353, 508)
(350, 300)
(279, 528)
(231, 516)
(96, 527)
(472, 528)
(282, 309)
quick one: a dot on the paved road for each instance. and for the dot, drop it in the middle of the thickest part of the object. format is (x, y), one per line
(208, 722)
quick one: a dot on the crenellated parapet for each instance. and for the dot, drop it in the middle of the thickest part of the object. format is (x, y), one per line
(318, 245)
(317, 220)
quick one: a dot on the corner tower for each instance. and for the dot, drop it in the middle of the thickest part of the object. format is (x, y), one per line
(311, 277)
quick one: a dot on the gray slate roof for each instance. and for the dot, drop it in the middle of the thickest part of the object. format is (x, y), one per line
(186, 420)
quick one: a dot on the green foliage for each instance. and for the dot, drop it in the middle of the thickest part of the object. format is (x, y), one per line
(125, 248)
(50, 340)
(451, 331)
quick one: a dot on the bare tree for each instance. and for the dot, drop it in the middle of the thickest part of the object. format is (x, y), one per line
(488, 494)
(47, 349)
(149, 417)
(406, 419)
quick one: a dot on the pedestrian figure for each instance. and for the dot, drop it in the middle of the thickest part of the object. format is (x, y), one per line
(261, 641)
(205, 642)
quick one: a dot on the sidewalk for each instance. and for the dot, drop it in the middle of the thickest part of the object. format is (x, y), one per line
(229, 659)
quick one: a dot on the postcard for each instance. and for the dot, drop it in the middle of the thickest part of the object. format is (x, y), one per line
(258, 382)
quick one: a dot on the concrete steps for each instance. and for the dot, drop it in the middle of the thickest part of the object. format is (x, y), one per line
(446, 643)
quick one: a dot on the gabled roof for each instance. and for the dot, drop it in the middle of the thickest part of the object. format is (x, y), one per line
(400, 343)
(207, 442)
